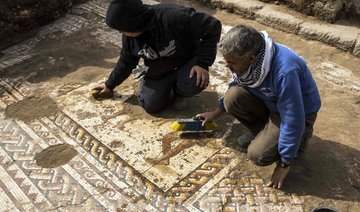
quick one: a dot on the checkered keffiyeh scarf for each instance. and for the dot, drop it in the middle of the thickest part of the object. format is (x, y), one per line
(258, 70)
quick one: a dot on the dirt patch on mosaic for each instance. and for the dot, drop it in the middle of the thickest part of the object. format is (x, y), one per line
(31, 108)
(117, 144)
(56, 155)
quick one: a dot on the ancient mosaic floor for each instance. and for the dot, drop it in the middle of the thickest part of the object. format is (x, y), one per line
(104, 176)
(120, 163)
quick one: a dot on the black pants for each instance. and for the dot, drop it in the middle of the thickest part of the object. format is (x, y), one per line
(155, 94)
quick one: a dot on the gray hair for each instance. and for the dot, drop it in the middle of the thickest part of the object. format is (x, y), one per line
(241, 40)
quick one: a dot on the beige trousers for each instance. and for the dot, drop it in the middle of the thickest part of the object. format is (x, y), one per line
(253, 114)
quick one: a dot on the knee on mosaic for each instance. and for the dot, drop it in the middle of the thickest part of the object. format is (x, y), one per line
(151, 105)
(188, 90)
(253, 156)
(257, 158)
(152, 108)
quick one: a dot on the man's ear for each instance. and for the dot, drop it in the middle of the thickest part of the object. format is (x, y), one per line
(252, 58)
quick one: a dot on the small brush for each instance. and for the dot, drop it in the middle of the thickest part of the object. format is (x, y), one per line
(192, 124)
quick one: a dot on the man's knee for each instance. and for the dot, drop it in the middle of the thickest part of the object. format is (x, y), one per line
(151, 105)
(152, 109)
(259, 158)
(255, 157)
(229, 99)
(232, 96)
(188, 88)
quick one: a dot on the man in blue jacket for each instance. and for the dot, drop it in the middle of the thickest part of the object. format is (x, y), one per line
(273, 95)
(176, 43)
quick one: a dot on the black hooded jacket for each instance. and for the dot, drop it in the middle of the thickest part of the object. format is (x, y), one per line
(176, 34)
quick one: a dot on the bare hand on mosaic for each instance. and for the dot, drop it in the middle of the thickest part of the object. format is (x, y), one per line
(101, 92)
(206, 117)
(209, 116)
(202, 76)
(278, 176)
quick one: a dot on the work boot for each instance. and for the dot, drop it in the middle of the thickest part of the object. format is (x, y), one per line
(245, 139)
(180, 102)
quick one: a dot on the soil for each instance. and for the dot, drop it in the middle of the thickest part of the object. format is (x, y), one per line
(18, 17)
(326, 10)
(332, 11)
(70, 59)
(54, 156)
(31, 108)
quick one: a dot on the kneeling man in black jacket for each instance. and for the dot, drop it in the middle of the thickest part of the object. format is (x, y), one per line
(177, 44)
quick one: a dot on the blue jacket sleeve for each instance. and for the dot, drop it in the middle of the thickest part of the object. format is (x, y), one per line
(126, 63)
(291, 109)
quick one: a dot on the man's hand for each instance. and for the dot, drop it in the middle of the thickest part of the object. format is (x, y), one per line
(202, 76)
(209, 116)
(102, 89)
(278, 176)
(102, 92)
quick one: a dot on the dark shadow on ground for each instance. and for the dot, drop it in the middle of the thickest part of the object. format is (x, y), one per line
(204, 101)
(329, 170)
(237, 129)
(18, 37)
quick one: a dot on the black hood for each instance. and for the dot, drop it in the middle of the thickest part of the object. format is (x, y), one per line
(129, 16)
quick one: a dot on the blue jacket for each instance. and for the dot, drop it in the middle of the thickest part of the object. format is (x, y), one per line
(290, 91)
